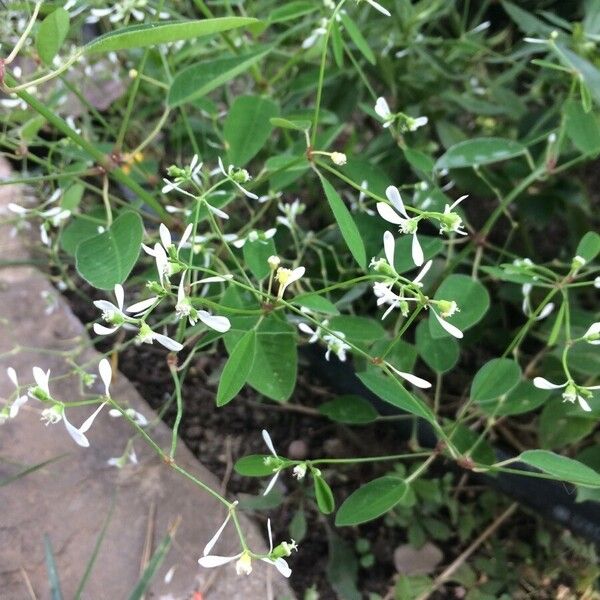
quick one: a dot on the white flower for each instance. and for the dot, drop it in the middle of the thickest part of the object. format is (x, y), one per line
(291, 211)
(286, 277)
(278, 562)
(400, 217)
(451, 221)
(451, 329)
(112, 314)
(572, 392)
(383, 111)
(137, 417)
(20, 400)
(338, 158)
(237, 177)
(147, 336)
(41, 391)
(526, 306)
(416, 381)
(592, 335)
(597, 282)
(334, 340)
(166, 250)
(378, 7)
(414, 124)
(121, 461)
(185, 309)
(256, 236)
(299, 471)
(269, 442)
(315, 34)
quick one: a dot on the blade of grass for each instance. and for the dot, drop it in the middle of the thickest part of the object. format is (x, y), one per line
(55, 592)
(94, 556)
(155, 562)
(29, 470)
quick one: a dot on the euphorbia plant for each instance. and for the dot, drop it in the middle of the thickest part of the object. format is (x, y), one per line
(272, 221)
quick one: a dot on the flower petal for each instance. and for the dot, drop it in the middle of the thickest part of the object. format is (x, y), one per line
(389, 214)
(269, 442)
(416, 381)
(41, 378)
(451, 329)
(544, 384)
(423, 271)
(105, 371)
(88, 422)
(120, 296)
(12, 375)
(167, 342)
(583, 403)
(389, 247)
(271, 483)
(417, 251)
(142, 305)
(101, 330)
(77, 436)
(217, 535)
(220, 324)
(210, 562)
(393, 195)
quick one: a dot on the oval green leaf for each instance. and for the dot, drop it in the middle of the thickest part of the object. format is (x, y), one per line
(236, 370)
(247, 127)
(107, 259)
(200, 79)
(561, 467)
(496, 378)
(151, 34)
(324, 495)
(51, 34)
(352, 410)
(440, 354)
(253, 465)
(371, 501)
(480, 151)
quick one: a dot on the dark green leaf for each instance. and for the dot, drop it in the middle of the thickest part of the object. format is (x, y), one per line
(496, 378)
(561, 467)
(324, 495)
(352, 410)
(479, 151)
(236, 370)
(441, 354)
(253, 465)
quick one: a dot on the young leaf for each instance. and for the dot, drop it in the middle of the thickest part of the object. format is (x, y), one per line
(152, 34)
(346, 224)
(561, 467)
(371, 501)
(107, 259)
(324, 495)
(496, 378)
(51, 34)
(479, 151)
(582, 128)
(198, 80)
(589, 246)
(237, 368)
(253, 465)
(247, 127)
(352, 410)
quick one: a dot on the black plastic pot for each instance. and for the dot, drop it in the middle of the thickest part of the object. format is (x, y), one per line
(552, 500)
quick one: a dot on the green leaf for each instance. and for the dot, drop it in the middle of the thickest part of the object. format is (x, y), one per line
(53, 578)
(589, 246)
(247, 127)
(236, 370)
(79, 229)
(32, 469)
(324, 495)
(51, 34)
(471, 297)
(288, 124)
(357, 37)
(72, 197)
(107, 259)
(479, 151)
(352, 410)
(524, 397)
(316, 303)
(496, 378)
(419, 160)
(157, 558)
(297, 527)
(253, 465)
(561, 467)
(393, 392)
(584, 70)
(525, 21)
(403, 261)
(274, 370)
(440, 354)
(558, 427)
(151, 34)
(371, 501)
(198, 80)
(256, 256)
(582, 128)
(291, 10)
(346, 224)
(358, 329)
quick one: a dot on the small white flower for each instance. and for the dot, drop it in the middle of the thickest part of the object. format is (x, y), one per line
(316, 34)
(383, 111)
(414, 124)
(299, 471)
(105, 371)
(20, 400)
(120, 461)
(256, 236)
(41, 391)
(147, 336)
(133, 414)
(269, 443)
(451, 329)
(112, 314)
(592, 335)
(286, 277)
(400, 217)
(185, 309)
(572, 392)
(451, 221)
(597, 282)
(334, 340)
(290, 211)
(526, 305)
(237, 178)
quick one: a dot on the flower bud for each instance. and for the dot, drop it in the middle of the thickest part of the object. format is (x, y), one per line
(338, 158)
(299, 471)
(570, 393)
(447, 308)
(380, 265)
(244, 565)
(274, 262)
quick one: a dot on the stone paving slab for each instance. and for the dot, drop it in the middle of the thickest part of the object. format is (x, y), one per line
(70, 498)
